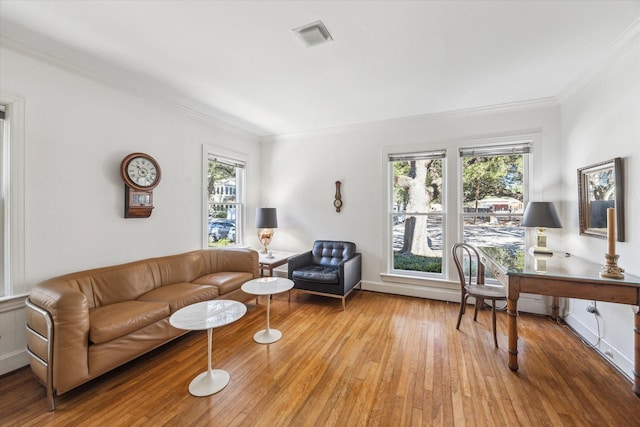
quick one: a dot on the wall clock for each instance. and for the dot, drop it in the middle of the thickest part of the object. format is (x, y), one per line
(141, 174)
(338, 198)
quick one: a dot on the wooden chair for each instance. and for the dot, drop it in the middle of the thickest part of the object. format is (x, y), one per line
(471, 273)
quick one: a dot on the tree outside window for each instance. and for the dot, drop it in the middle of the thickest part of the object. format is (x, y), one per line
(491, 199)
(417, 214)
(493, 188)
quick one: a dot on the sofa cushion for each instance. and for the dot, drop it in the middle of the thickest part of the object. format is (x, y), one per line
(111, 285)
(180, 295)
(317, 273)
(180, 268)
(116, 320)
(225, 281)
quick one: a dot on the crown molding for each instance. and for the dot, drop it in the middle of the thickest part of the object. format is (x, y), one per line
(531, 104)
(119, 85)
(624, 43)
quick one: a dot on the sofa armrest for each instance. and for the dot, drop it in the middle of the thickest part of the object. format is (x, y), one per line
(69, 311)
(298, 261)
(351, 271)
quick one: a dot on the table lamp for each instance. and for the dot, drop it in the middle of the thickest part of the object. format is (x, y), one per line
(266, 221)
(542, 215)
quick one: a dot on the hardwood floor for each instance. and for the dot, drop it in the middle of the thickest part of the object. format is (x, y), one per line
(387, 361)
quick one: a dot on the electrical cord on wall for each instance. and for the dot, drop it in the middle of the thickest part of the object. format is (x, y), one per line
(561, 320)
(595, 315)
(591, 309)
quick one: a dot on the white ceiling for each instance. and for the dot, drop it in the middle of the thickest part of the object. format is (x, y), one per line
(239, 61)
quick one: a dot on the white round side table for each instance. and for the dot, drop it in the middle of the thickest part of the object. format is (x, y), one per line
(267, 286)
(208, 315)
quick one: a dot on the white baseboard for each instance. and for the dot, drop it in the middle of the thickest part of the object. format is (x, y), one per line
(11, 361)
(527, 303)
(13, 334)
(606, 350)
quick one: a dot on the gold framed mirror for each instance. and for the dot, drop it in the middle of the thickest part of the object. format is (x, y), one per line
(600, 186)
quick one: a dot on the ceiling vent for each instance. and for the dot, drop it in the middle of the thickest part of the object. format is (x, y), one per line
(313, 34)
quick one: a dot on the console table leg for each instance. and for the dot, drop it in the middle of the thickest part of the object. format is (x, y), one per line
(636, 356)
(512, 311)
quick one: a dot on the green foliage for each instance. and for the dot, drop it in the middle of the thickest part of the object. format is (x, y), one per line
(218, 171)
(220, 243)
(411, 262)
(493, 176)
(400, 193)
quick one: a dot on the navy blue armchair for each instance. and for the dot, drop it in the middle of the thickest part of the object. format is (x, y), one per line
(331, 268)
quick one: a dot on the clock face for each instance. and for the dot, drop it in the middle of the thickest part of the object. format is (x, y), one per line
(140, 171)
(337, 203)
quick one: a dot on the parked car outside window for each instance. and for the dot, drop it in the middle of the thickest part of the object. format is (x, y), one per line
(222, 229)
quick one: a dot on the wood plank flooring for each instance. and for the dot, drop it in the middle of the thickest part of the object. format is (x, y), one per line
(387, 361)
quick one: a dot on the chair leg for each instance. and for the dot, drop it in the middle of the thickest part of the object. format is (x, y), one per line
(475, 310)
(463, 303)
(493, 310)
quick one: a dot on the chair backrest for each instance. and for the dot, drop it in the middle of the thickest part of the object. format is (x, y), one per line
(332, 253)
(467, 260)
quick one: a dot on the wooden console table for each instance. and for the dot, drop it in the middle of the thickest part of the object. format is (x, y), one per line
(559, 276)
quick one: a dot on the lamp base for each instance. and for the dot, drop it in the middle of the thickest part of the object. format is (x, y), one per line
(266, 253)
(541, 251)
(541, 244)
(265, 235)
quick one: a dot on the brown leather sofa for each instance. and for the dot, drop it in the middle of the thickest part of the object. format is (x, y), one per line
(84, 324)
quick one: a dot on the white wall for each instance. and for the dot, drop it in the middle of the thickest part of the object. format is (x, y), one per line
(77, 131)
(300, 172)
(600, 121)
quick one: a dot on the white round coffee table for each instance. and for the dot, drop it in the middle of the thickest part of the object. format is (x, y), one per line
(208, 315)
(267, 286)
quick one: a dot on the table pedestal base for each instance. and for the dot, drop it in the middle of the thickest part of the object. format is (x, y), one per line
(267, 336)
(209, 382)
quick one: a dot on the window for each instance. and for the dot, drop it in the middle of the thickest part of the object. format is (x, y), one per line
(3, 203)
(12, 197)
(416, 213)
(225, 200)
(494, 185)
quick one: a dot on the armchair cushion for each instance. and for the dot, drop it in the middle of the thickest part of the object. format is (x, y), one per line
(330, 253)
(317, 273)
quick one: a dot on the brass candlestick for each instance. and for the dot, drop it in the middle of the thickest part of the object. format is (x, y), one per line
(611, 270)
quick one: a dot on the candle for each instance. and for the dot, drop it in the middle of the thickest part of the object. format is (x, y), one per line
(611, 230)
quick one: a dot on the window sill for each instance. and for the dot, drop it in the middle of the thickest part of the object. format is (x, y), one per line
(420, 281)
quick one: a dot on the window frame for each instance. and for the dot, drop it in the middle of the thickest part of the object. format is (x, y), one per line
(407, 155)
(451, 202)
(239, 159)
(14, 286)
(523, 145)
